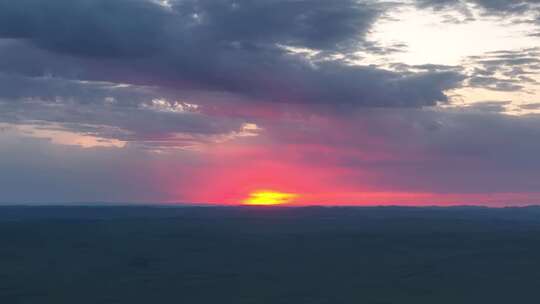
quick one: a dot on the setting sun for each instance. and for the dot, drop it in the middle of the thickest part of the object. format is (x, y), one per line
(269, 198)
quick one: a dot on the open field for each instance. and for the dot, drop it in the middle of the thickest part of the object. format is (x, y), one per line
(268, 255)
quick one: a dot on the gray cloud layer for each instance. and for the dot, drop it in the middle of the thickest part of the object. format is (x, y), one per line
(96, 67)
(230, 46)
(490, 7)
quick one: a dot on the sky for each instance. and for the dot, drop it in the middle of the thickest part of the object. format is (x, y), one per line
(298, 102)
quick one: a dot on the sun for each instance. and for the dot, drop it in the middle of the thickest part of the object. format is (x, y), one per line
(269, 198)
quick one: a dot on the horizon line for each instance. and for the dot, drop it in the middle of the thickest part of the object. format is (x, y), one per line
(283, 206)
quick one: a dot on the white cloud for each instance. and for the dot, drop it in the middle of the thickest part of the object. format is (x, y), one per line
(163, 105)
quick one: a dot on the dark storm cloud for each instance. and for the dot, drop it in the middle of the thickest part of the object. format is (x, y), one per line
(426, 68)
(317, 24)
(490, 7)
(51, 89)
(86, 27)
(136, 27)
(494, 6)
(505, 7)
(531, 106)
(438, 4)
(504, 70)
(489, 106)
(447, 5)
(127, 113)
(224, 46)
(494, 83)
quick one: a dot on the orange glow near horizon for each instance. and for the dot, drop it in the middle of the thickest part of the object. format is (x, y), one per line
(240, 174)
(269, 198)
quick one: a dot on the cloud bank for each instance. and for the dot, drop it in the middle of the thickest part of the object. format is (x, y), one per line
(235, 84)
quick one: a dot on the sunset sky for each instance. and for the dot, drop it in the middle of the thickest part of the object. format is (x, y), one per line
(299, 102)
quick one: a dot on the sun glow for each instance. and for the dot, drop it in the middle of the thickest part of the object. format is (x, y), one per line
(269, 198)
